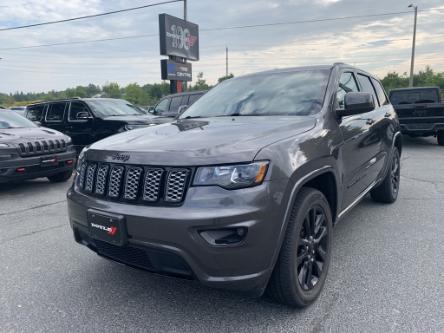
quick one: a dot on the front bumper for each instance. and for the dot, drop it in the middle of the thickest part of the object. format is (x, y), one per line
(170, 239)
(33, 167)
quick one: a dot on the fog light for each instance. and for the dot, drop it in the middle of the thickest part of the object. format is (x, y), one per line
(69, 162)
(224, 236)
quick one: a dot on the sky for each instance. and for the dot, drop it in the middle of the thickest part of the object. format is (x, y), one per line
(378, 44)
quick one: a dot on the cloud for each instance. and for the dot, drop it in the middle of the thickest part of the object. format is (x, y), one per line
(378, 44)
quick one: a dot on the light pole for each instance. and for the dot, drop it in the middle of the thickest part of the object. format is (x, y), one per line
(412, 63)
(226, 61)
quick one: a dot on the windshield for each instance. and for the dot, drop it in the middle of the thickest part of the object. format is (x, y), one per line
(295, 93)
(112, 107)
(10, 119)
(414, 96)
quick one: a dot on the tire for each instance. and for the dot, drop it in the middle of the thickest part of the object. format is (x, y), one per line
(387, 191)
(287, 284)
(60, 177)
(440, 138)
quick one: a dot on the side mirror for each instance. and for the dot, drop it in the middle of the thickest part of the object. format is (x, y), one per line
(181, 109)
(151, 109)
(356, 103)
(83, 116)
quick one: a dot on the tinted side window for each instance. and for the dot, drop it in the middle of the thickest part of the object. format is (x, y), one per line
(193, 98)
(380, 92)
(367, 86)
(35, 112)
(175, 103)
(76, 108)
(163, 105)
(56, 112)
(347, 83)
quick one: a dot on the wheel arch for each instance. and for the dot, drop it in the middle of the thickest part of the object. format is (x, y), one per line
(397, 142)
(315, 179)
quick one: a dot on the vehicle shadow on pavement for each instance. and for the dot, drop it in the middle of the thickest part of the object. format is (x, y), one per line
(39, 185)
(409, 141)
(188, 305)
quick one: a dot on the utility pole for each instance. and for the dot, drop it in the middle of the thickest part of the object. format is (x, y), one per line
(412, 64)
(226, 61)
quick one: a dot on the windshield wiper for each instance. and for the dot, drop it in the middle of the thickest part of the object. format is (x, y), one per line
(192, 117)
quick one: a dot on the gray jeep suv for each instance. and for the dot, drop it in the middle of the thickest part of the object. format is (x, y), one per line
(242, 191)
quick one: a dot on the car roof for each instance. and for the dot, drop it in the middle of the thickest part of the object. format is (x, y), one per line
(200, 92)
(414, 88)
(77, 99)
(339, 65)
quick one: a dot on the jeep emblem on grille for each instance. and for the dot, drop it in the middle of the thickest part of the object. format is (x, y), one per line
(121, 157)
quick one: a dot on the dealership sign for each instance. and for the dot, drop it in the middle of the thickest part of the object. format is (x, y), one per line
(178, 37)
(172, 70)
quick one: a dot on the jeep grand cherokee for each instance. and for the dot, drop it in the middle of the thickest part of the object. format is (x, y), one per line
(242, 191)
(28, 151)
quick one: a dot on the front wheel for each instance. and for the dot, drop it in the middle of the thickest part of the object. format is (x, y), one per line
(301, 269)
(60, 177)
(440, 138)
(387, 191)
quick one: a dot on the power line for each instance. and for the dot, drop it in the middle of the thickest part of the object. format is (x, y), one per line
(78, 42)
(305, 21)
(90, 16)
(202, 30)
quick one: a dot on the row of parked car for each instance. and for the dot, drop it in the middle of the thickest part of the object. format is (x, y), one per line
(43, 139)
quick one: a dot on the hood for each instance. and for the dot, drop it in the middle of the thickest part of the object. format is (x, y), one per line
(18, 135)
(199, 141)
(132, 119)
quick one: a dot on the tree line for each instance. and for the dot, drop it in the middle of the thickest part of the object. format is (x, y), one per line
(149, 94)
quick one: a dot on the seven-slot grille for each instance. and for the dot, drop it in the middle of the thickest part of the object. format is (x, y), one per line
(142, 184)
(41, 147)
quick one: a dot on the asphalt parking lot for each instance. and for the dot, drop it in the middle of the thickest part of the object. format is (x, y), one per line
(387, 271)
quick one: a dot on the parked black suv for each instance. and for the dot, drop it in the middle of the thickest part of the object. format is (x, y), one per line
(28, 151)
(242, 191)
(87, 120)
(168, 106)
(420, 111)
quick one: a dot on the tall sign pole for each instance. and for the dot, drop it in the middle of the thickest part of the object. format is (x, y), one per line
(179, 40)
(412, 63)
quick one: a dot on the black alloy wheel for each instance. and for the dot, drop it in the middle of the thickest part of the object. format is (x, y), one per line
(395, 173)
(312, 249)
(302, 266)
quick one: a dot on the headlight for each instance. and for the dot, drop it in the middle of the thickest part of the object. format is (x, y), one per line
(232, 176)
(81, 158)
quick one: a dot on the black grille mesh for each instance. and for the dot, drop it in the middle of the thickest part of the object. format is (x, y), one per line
(134, 183)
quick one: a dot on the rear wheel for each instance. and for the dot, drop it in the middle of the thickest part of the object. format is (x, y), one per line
(387, 191)
(440, 138)
(61, 177)
(303, 262)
